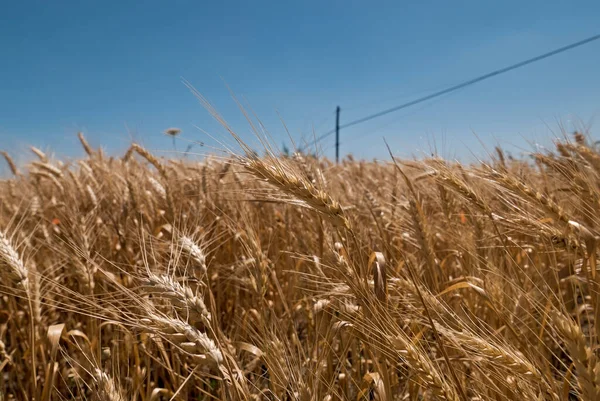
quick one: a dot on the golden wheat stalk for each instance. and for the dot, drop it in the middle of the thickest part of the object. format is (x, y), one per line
(179, 295)
(11, 163)
(107, 388)
(582, 356)
(86, 146)
(10, 258)
(278, 175)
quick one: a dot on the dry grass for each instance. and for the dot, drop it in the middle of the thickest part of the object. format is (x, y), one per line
(291, 278)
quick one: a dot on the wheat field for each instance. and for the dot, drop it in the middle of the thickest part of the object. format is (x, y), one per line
(276, 277)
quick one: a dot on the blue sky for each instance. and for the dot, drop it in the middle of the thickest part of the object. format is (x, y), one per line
(114, 71)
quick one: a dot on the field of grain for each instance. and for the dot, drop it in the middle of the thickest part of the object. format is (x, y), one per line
(292, 278)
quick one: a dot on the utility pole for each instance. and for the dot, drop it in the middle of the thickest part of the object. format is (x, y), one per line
(337, 134)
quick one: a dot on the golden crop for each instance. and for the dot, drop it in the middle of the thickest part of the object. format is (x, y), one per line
(292, 278)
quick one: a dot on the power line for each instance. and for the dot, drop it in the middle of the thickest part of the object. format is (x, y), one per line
(459, 86)
(398, 97)
(395, 120)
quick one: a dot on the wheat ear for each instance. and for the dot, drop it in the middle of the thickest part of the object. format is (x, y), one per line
(86, 146)
(11, 163)
(180, 296)
(582, 356)
(298, 187)
(107, 388)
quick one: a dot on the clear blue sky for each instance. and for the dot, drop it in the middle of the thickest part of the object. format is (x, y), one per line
(113, 70)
